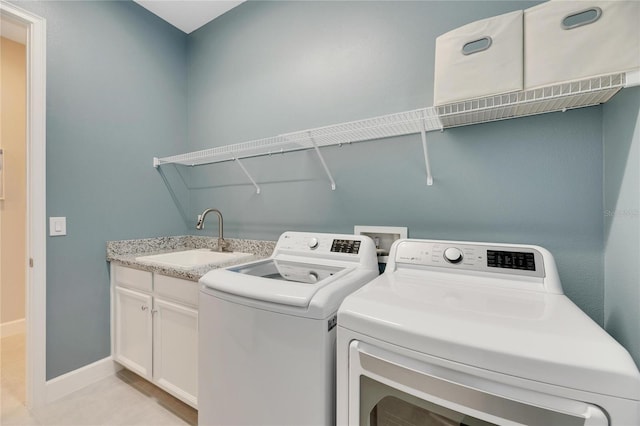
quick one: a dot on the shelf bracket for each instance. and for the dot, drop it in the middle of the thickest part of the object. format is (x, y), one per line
(324, 164)
(423, 133)
(246, 172)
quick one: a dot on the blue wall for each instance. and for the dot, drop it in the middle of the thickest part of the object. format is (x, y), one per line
(116, 96)
(622, 218)
(267, 68)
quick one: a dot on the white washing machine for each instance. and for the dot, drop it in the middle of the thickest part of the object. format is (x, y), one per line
(462, 333)
(268, 331)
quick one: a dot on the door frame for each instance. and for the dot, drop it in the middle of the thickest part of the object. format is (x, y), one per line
(36, 266)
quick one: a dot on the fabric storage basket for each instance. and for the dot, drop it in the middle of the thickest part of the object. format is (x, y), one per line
(573, 40)
(479, 59)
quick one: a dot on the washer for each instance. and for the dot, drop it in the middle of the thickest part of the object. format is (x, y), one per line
(463, 333)
(268, 331)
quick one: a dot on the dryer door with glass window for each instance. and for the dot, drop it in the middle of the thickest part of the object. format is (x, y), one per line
(388, 389)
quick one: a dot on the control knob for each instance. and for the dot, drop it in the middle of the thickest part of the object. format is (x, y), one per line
(453, 255)
(313, 243)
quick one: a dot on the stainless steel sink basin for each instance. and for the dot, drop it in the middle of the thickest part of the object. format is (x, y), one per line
(192, 258)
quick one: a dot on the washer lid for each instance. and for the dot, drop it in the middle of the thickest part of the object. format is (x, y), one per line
(277, 281)
(537, 336)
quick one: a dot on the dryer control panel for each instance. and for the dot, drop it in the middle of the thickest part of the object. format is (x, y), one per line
(513, 260)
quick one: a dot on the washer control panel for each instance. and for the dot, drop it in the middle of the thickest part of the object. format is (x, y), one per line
(473, 257)
(306, 243)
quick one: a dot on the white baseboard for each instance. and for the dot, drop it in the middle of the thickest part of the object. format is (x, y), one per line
(11, 328)
(75, 380)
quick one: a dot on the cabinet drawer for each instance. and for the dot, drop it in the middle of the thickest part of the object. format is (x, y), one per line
(133, 278)
(184, 291)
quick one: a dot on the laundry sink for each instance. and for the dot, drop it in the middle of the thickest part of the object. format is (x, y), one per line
(192, 258)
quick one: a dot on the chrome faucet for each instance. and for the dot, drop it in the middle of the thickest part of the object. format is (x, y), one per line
(222, 244)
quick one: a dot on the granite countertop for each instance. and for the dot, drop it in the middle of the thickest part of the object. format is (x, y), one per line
(124, 253)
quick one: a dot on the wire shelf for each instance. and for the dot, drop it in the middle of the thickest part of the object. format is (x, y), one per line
(559, 97)
(385, 126)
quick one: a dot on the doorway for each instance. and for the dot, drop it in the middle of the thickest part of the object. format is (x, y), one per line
(31, 263)
(13, 212)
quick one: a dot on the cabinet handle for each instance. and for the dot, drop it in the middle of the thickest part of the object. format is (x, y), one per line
(153, 311)
(144, 308)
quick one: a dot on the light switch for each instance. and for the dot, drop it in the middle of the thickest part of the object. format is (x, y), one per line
(57, 226)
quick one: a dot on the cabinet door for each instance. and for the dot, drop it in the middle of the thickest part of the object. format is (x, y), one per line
(175, 350)
(133, 331)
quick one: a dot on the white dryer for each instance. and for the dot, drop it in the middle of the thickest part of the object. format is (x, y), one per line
(268, 331)
(462, 333)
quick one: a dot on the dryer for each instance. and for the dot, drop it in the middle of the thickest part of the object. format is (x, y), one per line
(268, 331)
(464, 333)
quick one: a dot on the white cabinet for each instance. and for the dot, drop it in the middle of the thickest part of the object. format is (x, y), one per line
(133, 331)
(175, 349)
(155, 329)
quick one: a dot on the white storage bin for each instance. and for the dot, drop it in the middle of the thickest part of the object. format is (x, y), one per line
(574, 40)
(479, 59)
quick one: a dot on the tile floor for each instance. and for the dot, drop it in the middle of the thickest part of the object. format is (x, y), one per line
(123, 399)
